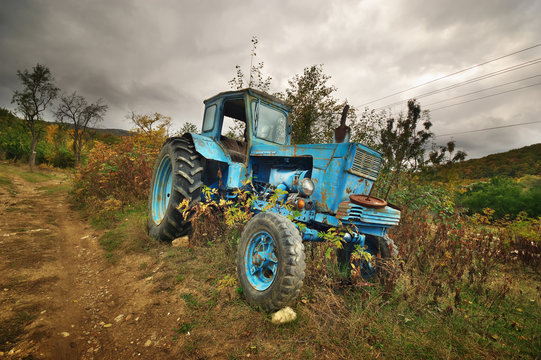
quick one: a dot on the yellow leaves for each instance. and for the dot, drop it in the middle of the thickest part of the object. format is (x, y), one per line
(488, 212)
(228, 281)
(112, 204)
(50, 131)
(121, 171)
(224, 202)
(151, 124)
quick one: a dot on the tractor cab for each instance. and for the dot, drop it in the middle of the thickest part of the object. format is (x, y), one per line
(237, 120)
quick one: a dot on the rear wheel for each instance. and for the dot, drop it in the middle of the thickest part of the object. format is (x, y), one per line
(270, 261)
(176, 176)
(375, 246)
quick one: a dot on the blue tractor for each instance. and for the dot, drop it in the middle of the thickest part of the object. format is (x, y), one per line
(328, 185)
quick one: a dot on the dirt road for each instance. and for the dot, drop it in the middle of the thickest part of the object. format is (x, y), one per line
(59, 296)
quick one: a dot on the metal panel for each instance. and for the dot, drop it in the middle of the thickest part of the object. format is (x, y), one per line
(350, 212)
(236, 175)
(210, 149)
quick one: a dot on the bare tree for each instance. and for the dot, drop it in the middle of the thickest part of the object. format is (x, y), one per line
(257, 79)
(37, 94)
(155, 123)
(75, 111)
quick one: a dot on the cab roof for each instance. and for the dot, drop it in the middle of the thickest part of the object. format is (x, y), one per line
(253, 92)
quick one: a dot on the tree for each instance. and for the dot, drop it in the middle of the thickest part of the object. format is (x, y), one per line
(37, 94)
(445, 155)
(187, 127)
(402, 144)
(151, 124)
(257, 80)
(315, 111)
(75, 111)
(366, 128)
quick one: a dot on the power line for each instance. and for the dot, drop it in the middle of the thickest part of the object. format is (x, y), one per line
(455, 73)
(484, 97)
(478, 91)
(490, 128)
(470, 81)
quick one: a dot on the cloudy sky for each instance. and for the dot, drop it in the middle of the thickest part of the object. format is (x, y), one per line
(167, 56)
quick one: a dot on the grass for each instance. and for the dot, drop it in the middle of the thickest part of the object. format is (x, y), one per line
(6, 183)
(12, 328)
(33, 177)
(128, 224)
(36, 177)
(54, 189)
(333, 320)
(110, 242)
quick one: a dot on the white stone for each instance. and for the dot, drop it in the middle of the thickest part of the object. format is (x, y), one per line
(283, 316)
(181, 242)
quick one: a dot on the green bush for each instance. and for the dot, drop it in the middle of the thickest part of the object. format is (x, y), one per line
(503, 195)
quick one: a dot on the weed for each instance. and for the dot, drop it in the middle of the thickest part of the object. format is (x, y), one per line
(111, 241)
(190, 300)
(180, 277)
(184, 328)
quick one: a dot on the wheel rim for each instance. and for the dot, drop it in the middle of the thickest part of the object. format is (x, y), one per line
(261, 261)
(161, 192)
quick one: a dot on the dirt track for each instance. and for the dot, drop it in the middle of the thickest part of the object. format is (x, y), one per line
(59, 296)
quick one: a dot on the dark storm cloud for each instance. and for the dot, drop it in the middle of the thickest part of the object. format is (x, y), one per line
(168, 56)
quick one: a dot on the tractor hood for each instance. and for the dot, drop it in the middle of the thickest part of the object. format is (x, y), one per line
(337, 170)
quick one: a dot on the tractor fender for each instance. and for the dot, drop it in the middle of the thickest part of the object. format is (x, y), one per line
(209, 148)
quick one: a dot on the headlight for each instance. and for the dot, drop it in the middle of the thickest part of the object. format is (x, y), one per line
(307, 187)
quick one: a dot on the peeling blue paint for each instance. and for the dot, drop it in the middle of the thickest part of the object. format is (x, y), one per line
(336, 170)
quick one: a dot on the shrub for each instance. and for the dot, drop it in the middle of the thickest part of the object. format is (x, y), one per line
(504, 196)
(121, 172)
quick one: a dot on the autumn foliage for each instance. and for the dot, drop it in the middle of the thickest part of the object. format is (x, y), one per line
(118, 174)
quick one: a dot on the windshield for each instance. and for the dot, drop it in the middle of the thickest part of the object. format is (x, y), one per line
(270, 123)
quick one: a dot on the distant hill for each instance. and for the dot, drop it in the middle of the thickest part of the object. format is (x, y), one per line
(513, 163)
(115, 132)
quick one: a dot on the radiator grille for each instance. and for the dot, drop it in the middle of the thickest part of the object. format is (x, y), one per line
(366, 165)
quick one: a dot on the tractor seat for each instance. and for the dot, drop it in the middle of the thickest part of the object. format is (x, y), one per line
(236, 149)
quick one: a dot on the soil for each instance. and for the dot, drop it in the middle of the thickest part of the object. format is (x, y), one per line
(60, 298)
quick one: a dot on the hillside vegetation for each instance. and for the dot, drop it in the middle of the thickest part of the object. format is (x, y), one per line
(515, 163)
(53, 148)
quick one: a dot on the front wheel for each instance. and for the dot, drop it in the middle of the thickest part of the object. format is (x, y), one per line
(270, 261)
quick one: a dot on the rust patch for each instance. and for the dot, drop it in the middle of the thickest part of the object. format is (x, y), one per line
(324, 196)
(343, 209)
